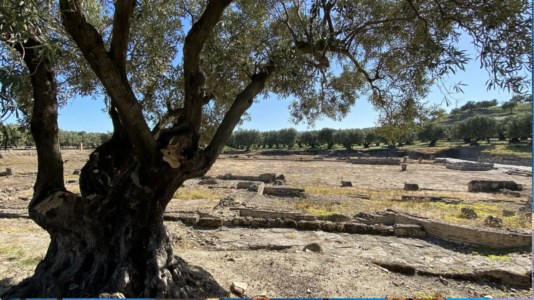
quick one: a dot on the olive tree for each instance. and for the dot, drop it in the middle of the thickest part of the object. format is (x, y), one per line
(476, 128)
(519, 127)
(431, 133)
(178, 76)
(348, 137)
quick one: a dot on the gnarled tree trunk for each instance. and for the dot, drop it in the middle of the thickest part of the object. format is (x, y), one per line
(112, 237)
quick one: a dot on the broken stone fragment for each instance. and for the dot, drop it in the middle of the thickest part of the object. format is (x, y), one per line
(411, 187)
(313, 247)
(238, 288)
(346, 184)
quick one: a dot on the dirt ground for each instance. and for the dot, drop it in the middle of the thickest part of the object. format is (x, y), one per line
(348, 266)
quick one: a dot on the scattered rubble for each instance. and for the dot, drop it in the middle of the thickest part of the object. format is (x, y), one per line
(468, 213)
(492, 221)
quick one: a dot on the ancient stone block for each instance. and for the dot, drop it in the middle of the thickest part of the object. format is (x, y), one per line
(258, 222)
(377, 161)
(267, 177)
(411, 187)
(208, 181)
(346, 184)
(404, 167)
(313, 247)
(411, 230)
(283, 191)
(289, 223)
(381, 229)
(190, 219)
(244, 185)
(309, 225)
(210, 222)
(357, 228)
(328, 226)
(9, 171)
(492, 186)
(469, 166)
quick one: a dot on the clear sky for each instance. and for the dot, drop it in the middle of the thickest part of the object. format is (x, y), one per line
(272, 114)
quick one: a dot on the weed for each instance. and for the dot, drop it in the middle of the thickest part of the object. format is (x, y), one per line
(502, 258)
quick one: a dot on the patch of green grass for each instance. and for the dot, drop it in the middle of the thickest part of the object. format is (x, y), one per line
(522, 150)
(320, 209)
(502, 258)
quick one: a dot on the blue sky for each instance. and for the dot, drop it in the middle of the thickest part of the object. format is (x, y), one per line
(272, 113)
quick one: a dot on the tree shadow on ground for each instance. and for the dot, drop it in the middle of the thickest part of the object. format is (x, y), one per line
(198, 282)
(194, 280)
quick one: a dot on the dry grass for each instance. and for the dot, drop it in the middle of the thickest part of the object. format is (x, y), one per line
(389, 198)
(197, 192)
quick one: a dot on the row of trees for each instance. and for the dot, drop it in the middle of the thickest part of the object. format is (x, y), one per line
(472, 106)
(287, 138)
(14, 136)
(480, 127)
(470, 130)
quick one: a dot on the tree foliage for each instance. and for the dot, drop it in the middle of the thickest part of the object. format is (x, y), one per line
(348, 137)
(476, 128)
(326, 136)
(246, 138)
(510, 105)
(431, 133)
(520, 126)
(309, 138)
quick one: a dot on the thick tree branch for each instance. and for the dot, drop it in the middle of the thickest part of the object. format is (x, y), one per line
(241, 103)
(122, 21)
(44, 126)
(194, 79)
(114, 80)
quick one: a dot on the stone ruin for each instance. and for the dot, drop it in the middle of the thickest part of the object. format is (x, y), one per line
(469, 166)
(386, 223)
(492, 186)
(376, 161)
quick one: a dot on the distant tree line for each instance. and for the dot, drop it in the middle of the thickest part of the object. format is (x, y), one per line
(16, 136)
(471, 130)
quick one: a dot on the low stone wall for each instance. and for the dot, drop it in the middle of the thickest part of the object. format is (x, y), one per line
(257, 213)
(265, 178)
(492, 186)
(387, 223)
(467, 235)
(376, 161)
(469, 166)
(386, 218)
